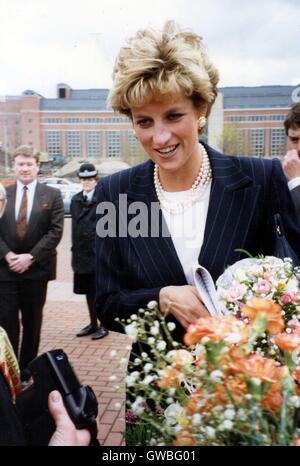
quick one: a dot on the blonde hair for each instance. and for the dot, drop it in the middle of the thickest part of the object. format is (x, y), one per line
(160, 62)
(27, 151)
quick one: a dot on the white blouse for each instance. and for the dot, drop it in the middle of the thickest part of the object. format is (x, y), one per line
(187, 229)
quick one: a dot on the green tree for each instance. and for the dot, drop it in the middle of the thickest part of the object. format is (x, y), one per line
(233, 141)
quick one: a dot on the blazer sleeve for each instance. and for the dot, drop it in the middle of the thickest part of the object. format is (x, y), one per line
(4, 249)
(114, 298)
(52, 236)
(295, 193)
(280, 201)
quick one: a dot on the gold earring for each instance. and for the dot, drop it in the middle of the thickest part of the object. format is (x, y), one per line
(201, 122)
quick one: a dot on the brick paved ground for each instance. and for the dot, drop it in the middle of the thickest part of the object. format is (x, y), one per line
(65, 314)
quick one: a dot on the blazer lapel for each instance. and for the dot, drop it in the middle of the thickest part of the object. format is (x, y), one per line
(10, 209)
(156, 251)
(230, 212)
(39, 203)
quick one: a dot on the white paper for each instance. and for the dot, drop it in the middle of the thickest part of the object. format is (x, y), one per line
(207, 290)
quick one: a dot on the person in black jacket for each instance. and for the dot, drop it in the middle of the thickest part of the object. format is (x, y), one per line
(83, 212)
(11, 427)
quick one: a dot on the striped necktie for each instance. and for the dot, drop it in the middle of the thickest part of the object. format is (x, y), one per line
(22, 217)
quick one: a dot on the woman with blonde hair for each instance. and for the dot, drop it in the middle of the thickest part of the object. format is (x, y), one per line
(209, 205)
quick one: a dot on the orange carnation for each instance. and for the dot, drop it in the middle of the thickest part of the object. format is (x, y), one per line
(267, 308)
(256, 366)
(288, 341)
(227, 328)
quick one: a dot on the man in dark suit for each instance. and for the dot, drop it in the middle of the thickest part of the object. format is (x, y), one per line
(30, 230)
(291, 161)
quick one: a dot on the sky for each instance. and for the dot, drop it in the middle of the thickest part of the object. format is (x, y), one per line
(46, 42)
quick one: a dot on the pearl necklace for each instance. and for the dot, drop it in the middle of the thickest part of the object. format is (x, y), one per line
(200, 184)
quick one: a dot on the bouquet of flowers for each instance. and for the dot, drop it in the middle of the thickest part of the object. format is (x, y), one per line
(249, 282)
(220, 387)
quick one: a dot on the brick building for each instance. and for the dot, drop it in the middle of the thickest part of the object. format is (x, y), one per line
(77, 123)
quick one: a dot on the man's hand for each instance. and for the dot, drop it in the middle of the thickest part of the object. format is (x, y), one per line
(291, 164)
(20, 263)
(10, 257)
(183, 302)
(66, 434)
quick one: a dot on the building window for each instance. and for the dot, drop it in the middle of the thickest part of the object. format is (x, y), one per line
(53, 120)
(73, 120)
(257, 117)
(277, 117)
(117, 120)
(278, 142)
(94, 120)
(94, 143)
(73, 143)
(113, 144)
(53, 141)
(235, 118)
(257, 142)
(132, 146)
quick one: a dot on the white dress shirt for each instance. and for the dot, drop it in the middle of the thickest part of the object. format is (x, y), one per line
(294, 183)
(30, 196)
(89, 194)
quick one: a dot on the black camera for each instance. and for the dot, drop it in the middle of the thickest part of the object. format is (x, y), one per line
(52, 371)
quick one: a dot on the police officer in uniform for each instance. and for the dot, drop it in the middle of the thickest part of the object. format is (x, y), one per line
(83, 212)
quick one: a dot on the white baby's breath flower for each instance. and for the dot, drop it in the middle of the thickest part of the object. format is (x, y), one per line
(144, 355)
(196, 419)
(154, 330)
(229, 414)
(169, 400)
(133, 317)
(152, 305)
(123, 361)
(210, 432)
(137, 361)
(216, 375)
(256, 381)
(132, 331)
(148, 367)
(161, 345)
(148, 379)
(295, 401)
(151, 341)
(171, 326)
(226, 425)
(138, 406)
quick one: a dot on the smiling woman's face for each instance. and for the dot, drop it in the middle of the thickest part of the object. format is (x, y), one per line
(167, 128)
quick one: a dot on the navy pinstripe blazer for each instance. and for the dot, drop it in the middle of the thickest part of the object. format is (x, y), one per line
(245, 194)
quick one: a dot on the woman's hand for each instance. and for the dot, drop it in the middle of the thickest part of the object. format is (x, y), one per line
(183, 302)
(66, 433)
